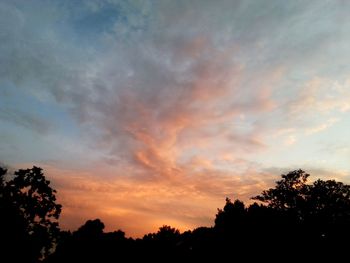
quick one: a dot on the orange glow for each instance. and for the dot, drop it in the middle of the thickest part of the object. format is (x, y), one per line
(138, 207)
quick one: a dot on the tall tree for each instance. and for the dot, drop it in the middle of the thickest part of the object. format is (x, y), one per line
(29, 215)
(289, 193)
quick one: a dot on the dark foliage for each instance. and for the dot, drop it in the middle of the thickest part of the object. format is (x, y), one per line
(29, 213)
(292, 221)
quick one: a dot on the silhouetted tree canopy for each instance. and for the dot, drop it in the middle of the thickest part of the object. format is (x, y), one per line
(165, 234)
(232, 215)
(90, 244)
(29, 215)
(293, 220)
(292, 214)
(290, 192)
(326, 201)
(92, 229)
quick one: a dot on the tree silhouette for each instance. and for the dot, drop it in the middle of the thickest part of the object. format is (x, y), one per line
(323, 200)
(158, 246)
(293, 215)
(92, 229)
(232, 215)
(289, 193)
(291, 219)
(29, 215)
(317, 214)
(90, 244)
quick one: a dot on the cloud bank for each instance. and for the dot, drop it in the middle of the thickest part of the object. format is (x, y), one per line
(151, 104)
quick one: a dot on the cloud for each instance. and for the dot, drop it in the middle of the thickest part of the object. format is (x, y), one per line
(123, 202)
(176, 98)
(322, 95)
(290, 140)
(25, 119)
(153, 87)
(321, 127)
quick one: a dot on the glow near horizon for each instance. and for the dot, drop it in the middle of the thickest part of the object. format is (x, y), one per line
(146, 113)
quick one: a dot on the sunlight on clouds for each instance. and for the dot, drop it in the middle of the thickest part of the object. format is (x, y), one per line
(150, 105)
(184, 202)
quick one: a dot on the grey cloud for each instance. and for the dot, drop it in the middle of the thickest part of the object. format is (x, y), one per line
(172, 69)
(25, 119)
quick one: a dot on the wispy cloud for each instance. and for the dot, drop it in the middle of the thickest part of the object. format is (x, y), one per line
(183, 101)
(321, 127)
(120, 200)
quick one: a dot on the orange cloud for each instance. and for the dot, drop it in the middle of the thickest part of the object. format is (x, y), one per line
(138, 207)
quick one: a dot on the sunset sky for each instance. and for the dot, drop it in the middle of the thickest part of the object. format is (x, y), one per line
(144, 113)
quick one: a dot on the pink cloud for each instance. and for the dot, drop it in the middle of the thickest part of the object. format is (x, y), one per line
(138, 207)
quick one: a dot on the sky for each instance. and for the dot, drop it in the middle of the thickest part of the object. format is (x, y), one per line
(144, 113)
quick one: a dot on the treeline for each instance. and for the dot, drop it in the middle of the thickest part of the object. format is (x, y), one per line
(295, 220)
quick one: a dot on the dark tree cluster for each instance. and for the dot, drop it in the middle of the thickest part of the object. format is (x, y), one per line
(294, 220)
(28, 216)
